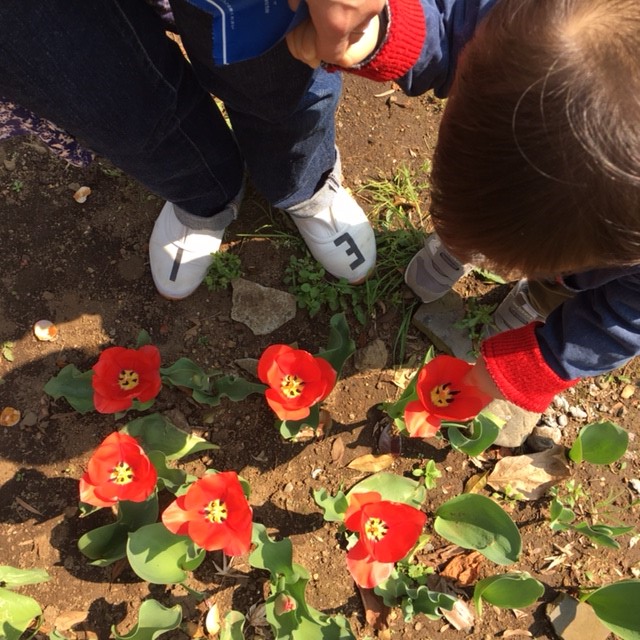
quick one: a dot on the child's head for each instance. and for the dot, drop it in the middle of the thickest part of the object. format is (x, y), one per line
(538, 159)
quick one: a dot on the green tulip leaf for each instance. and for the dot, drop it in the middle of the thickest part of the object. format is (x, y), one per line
(74, 386)
(334, 507)
(473, 521)
(157, 433)
(104, 545)
(153, 621)
(274, 556)
(393, 487)
(613, 604)
(340, 346)
(599, 443)
(168, 477)
(11, 577)
(482, 433)
(289, 429)
(161, 557)
(232, 625)
(16, 613)
(508, 591)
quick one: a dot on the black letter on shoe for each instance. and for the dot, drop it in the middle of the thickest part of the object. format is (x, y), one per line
(352, 250)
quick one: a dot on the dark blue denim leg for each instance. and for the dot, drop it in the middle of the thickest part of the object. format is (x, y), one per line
(105, 71)
(282, 112)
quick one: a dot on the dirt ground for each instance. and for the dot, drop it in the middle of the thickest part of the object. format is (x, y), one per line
(85, 267)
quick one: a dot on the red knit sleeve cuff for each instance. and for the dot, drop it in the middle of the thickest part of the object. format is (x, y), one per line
(515, 363)
(401, 48)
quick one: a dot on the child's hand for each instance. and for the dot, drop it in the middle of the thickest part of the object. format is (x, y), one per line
(341, 32)
(479, 377)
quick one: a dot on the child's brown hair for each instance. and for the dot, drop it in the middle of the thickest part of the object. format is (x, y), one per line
(537, 165)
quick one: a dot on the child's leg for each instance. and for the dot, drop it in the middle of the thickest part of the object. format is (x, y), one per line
(283, 116)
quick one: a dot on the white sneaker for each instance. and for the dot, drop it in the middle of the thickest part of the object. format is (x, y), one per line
(433, 270)
(340, 238)
(180, 256)
(515, 311)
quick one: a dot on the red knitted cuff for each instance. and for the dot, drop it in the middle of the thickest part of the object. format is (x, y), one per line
(515, 363)
(406, 32)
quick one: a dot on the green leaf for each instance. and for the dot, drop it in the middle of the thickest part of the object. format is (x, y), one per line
(143, 339)
(507, 591)
(232, 625)
(16, 613)
(157, 433)
(289, 429)
(104, 545)
(236, 388)
(340, 346)
(560, 516)
(599, 443)
(11, 577)
(598, 534)
(393, 487)
(334, 507)
(276, 557)
(616, 607)
(483, 432)
(161, 557)
(169, 478)
(186, 373)
(473, 521)
(153, 621)
(74, 386)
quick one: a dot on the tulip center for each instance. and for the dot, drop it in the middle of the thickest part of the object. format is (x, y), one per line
(375, 529)
(443, 395)
(122, 473)
(128, 379)
(292, 386)
(216, 511)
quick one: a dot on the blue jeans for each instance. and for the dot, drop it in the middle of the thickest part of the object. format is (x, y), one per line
(106, 71)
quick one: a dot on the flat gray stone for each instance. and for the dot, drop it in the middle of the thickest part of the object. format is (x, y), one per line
(372, 356)
(262, 309)
(573, 620)
(437, 321)
(519, 423)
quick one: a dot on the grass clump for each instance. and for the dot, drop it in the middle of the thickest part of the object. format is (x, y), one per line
(224, 268)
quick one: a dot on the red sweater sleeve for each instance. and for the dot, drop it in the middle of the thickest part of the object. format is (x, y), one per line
(406, 31)
(515, 363)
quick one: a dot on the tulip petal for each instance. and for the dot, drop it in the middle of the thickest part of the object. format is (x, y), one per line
(419, 423)
(365, 571)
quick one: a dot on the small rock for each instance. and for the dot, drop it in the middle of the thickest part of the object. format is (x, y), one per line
(544, 438)
(573, 620)
(562, 420)
(30, 419)
(578, 413)
(635, 485)
(519, 423)
(262, 309)
(627, 391)
(373, 356)
(561, 403)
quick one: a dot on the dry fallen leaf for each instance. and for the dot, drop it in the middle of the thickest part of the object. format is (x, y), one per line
(68, 619)
(337, 450)
(530, 475)
(376, 612)
(476, 483)
(371, 463)
(461, 617)
(212, 621)
(464, 569)
(9, 417)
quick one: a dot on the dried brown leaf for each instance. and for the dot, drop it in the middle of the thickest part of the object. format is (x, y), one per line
(476, 483)
(376, 612)
(464, 569)
(461, 617)
(371, 463)
(337, 450)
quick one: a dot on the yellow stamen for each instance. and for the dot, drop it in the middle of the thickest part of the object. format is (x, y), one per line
(375, 529)
(443, 395)
(292, 386)
(128, 379)
(122, 473)
(216, 511)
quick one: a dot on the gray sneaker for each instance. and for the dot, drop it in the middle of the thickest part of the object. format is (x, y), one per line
(433, 270)
(516, 310)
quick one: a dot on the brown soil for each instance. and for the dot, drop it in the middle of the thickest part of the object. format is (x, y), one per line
(84, 266)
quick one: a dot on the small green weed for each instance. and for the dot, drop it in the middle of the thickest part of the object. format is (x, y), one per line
(6, 348)
(476, 317)
(224, 268)
(17, 186)
(429, 472)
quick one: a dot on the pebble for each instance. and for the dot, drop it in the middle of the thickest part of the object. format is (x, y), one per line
(562, 420)
(561, 403)
(577, 412)
(635, 485)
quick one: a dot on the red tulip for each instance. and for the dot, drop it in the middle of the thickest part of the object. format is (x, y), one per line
(124, 374)
(119, 469)
(214, 513)
(387, 532)
(442, 395)
(297, 380)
